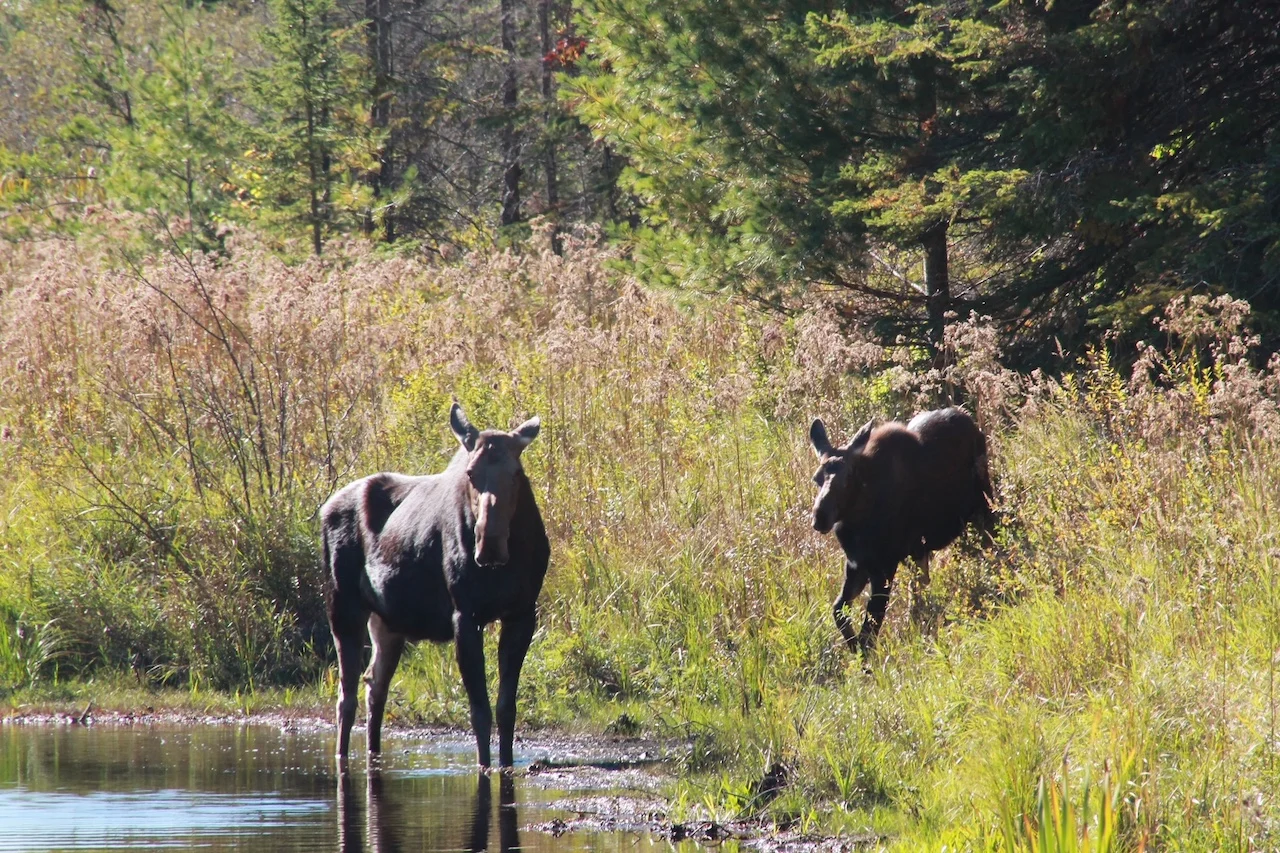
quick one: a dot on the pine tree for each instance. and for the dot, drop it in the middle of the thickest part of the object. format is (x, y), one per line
(511, 147)
(314, 139)
(379, 41)
(1154, 130)
(176, 153)
(1064, 167)
(144, 116)
(775, 147)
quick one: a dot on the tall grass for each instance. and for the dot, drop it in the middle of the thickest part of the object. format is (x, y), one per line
(171, 424)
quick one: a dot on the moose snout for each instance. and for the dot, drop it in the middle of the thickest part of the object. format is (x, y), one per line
(821, 522)
(492, 554)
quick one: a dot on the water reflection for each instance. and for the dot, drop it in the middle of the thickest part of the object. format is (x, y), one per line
(120, 788)
(377, 825)
(260, 788)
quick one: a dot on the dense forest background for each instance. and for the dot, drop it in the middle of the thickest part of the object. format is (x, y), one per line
(1062, 167)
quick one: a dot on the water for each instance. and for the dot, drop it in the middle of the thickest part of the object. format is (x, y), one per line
(259, 788)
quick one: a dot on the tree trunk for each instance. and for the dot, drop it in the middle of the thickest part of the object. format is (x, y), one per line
(510, 138)
(610, 183)
(313, 179)
(937, 277)
(378, 37)
(937, 282)
(548, 101)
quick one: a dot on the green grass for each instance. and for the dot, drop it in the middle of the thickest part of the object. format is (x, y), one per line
(111, 694)
(1103, 678)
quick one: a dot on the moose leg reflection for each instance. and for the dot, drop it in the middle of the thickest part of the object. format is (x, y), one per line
(508, 832)
(480, 816)
(383, 828)
(381, 833)
(348, 816)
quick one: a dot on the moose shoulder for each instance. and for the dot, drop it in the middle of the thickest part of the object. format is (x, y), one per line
(897, 491)
(437, 557)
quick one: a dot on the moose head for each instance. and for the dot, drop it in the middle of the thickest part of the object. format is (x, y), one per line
(494, 475)
(836, 477)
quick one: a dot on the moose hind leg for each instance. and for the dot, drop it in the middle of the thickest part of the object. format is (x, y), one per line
(919, 583)
(877, 604)
(387, 648)
(517, 633)
(854, 581)
(469, 647)
(350, 647)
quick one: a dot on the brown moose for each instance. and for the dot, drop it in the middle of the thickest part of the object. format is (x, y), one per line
(894, 492)
(437, 558)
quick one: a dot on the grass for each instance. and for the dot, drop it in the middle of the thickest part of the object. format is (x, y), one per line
(112, 693)
(1103, 678)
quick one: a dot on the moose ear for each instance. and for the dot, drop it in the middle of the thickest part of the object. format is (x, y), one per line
(818, 438)
(462, 428)
(859, 439)
(527, 432)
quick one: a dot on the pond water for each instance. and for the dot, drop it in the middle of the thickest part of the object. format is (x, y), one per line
(259, 787)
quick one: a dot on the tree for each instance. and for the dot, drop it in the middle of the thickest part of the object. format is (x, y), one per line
(1064, 167)
(549, 119)
(378, 37)
(175, 154)
(776, 148)
(510, 134)
(314, 137)
(1157, 129)
(927, 166)
(401, 118)
(145, 119)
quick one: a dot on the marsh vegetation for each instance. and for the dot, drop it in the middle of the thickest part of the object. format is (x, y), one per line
(1104, 674)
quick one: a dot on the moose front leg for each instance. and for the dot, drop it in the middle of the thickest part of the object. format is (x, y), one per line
(517, 633)
(469, 647)
(854, 581)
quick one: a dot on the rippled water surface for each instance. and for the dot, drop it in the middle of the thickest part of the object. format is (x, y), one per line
(255, 788)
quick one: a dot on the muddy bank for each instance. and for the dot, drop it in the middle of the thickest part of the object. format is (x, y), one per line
(635, 803)
(641, 814)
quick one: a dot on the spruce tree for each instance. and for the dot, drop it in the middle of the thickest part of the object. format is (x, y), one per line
(776, 147)
(144, 114)
(176, 155)
(1064, 167)
(314, 139)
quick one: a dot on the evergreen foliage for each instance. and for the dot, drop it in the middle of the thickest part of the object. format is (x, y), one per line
(1064, 167)
(145, 118)
(313, 137)
(306, 118)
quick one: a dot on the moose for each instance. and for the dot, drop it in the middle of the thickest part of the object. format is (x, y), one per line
(897, 491)
(437, 557)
